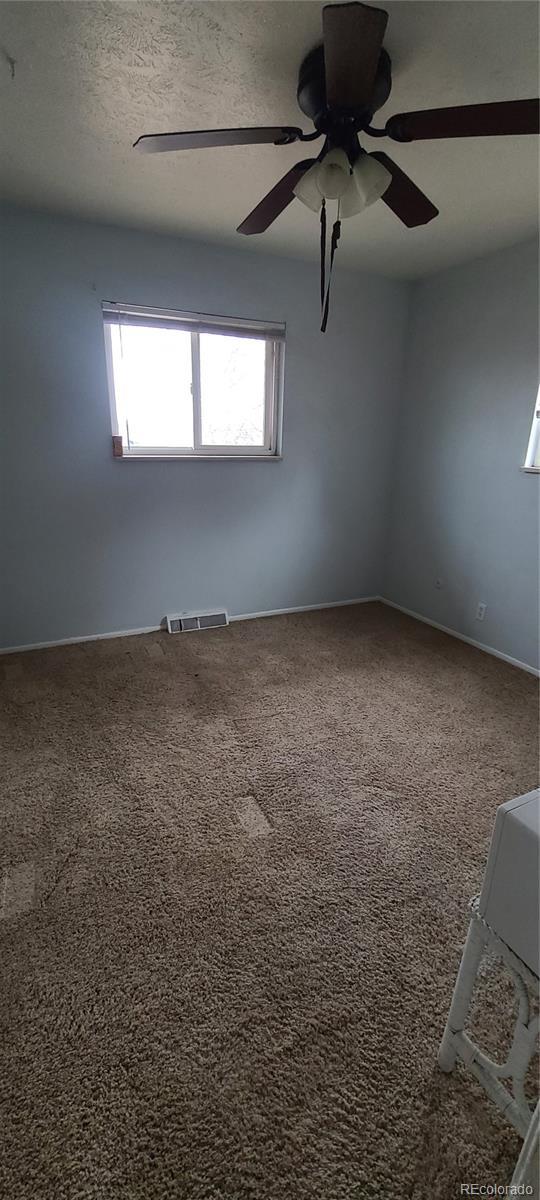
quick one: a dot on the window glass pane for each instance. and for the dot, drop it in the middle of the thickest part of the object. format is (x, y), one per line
(232, 390)
(536, 432)
(152, 380)
(532, 458)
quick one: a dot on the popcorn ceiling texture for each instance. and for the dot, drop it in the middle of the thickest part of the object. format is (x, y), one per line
(251, 853)
(89, 77)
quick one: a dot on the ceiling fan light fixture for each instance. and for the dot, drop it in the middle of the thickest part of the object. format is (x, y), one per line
(369, 181)
(307, 189)
(334, 175)
(333, 178)
(328, 179)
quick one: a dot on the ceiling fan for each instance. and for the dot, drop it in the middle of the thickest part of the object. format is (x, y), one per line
(342, 83)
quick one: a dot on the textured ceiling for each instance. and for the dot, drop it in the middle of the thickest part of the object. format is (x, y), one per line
(88, 78)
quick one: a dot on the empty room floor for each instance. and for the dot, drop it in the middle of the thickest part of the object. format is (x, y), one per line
(236, 869)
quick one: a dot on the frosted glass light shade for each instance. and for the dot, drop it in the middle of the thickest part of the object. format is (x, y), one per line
(333, 179)
(334, 175)
(328, 180)
(369, 182)
(307, 189)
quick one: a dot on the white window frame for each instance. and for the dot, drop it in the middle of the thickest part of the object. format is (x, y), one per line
(532, 457)
(195, 324)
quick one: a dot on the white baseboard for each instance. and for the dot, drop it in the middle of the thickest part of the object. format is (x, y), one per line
(281, 612)
(514, 662)
(121, 633)
(74, 641)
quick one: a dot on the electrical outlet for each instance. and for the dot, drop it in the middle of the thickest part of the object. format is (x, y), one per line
(481, 610)
(438, 583)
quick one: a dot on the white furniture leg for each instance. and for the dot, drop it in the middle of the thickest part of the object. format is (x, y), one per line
(457, 1044)
(526, 1173)
(461, 998)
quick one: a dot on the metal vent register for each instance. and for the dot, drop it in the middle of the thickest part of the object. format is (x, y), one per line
(187, 622)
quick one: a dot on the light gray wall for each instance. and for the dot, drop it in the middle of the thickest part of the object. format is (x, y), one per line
(95, 545)
(462, 510)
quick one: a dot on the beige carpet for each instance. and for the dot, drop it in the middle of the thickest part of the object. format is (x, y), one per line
(237, 867)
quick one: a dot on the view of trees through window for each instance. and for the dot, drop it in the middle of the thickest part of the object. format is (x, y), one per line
(232, 390)
(152, 381)
(155, 388)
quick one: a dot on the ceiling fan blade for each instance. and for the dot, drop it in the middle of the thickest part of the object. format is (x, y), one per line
(353, 37)
(201, 139)
(275, 200)
(470, 120)
(404, 197)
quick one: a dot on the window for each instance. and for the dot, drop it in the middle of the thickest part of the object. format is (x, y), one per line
(532, 460)
(184, 385)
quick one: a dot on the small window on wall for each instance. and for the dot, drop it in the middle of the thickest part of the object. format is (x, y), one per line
(532, 460)
(184, 385)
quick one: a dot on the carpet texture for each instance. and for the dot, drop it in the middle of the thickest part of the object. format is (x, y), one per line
(236, 868)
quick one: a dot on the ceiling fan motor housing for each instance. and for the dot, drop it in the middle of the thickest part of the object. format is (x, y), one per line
(311, 96)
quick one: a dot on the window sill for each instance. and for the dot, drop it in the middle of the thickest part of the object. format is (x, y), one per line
(531, 470)
(199, 458)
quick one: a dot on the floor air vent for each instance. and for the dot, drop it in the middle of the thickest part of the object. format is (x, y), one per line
(186, 622)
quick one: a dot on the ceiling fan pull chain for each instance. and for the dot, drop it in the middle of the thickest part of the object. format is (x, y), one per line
(323, 253)
(333, 247)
